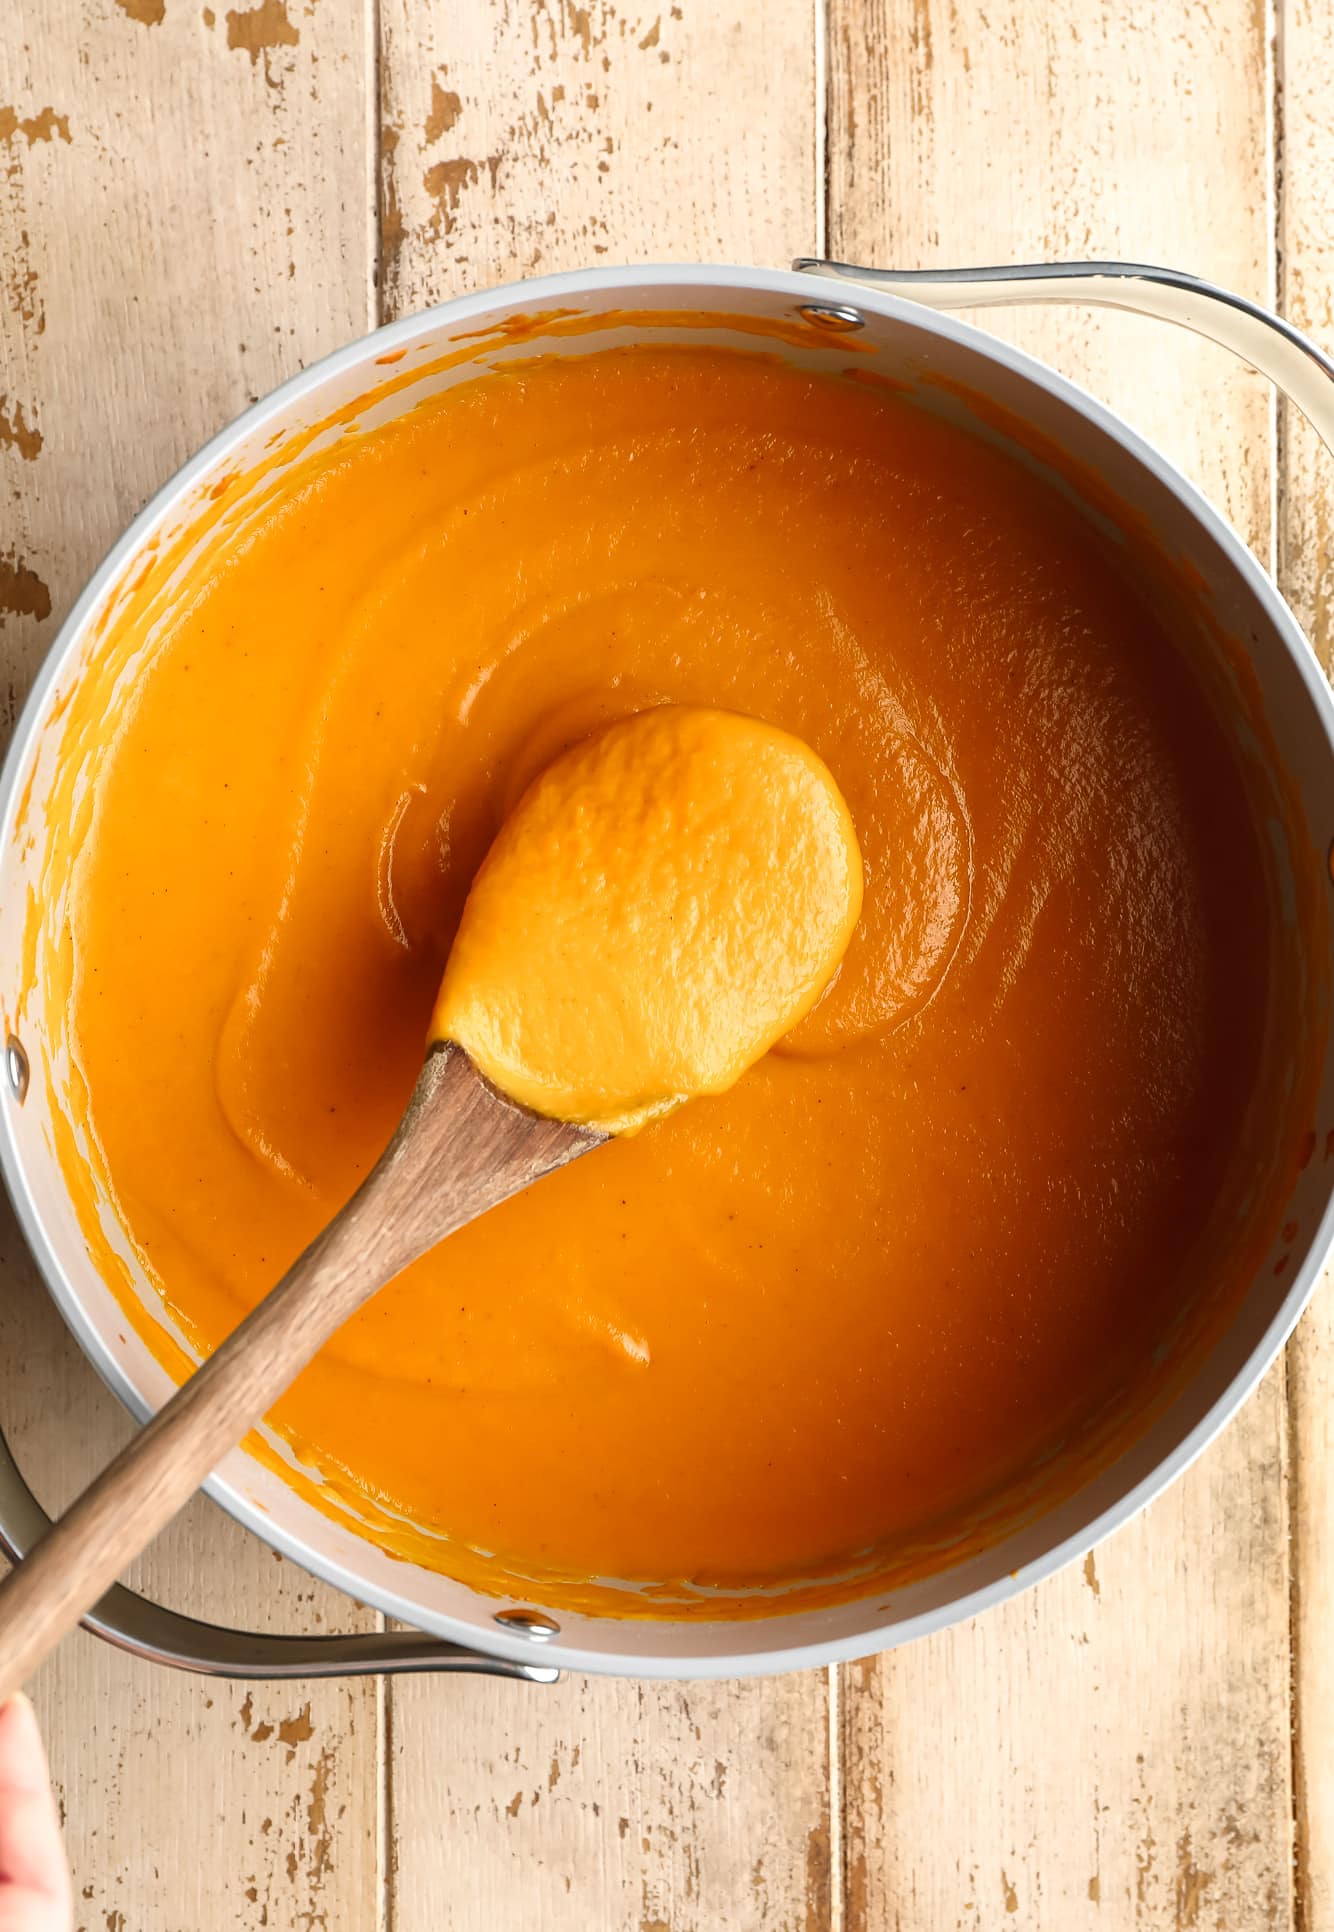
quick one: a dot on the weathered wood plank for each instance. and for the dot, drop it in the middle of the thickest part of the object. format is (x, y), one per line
(1110, 1750)
(1306, 572)
(1113, 1749)
(515, 139)
(602, 1804)
(185, 216)
(520, 137)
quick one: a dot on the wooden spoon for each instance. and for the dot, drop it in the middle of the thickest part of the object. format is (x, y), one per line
(460, 1149)
(661, 969)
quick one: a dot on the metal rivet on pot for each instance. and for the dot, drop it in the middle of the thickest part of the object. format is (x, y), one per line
(529, 1623)
(16, 1069)
(839, 321)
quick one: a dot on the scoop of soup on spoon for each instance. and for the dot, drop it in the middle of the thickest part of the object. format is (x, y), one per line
(665, 901)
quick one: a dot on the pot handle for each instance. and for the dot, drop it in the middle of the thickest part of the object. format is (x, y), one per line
(163, 1636)
(1292, 362)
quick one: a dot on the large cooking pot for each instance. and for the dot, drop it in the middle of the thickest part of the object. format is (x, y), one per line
(949, 369)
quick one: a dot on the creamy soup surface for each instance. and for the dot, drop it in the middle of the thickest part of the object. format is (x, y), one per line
(785, 1331)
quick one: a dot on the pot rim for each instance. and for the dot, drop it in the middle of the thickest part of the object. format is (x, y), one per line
(802, 287)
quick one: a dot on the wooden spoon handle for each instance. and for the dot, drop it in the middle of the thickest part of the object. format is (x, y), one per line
(459, 1150)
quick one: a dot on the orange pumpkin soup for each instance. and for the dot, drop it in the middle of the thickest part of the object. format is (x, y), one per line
(666, 901)
(790, 1329)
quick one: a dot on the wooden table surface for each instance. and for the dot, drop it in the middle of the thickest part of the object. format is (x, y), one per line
(195, 200)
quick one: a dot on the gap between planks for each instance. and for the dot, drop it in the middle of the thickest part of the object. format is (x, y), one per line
(820, 31)
(386, 1898)
(1279, 493)
(837, 1821)
(371, 56)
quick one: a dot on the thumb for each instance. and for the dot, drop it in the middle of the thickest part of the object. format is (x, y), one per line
(32, 1858)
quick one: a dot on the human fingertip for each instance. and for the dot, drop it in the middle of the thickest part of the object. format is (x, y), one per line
(17, 1713)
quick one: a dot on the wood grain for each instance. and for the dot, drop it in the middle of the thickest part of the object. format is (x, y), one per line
(523, 138)
(1306, 241)
(1311, 1399)
(1113, 1749)
(1306, 567)
(520, 137)
(185, 216)
(662, 1808)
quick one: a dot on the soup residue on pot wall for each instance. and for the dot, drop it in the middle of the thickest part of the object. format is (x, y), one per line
(819, 1329)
